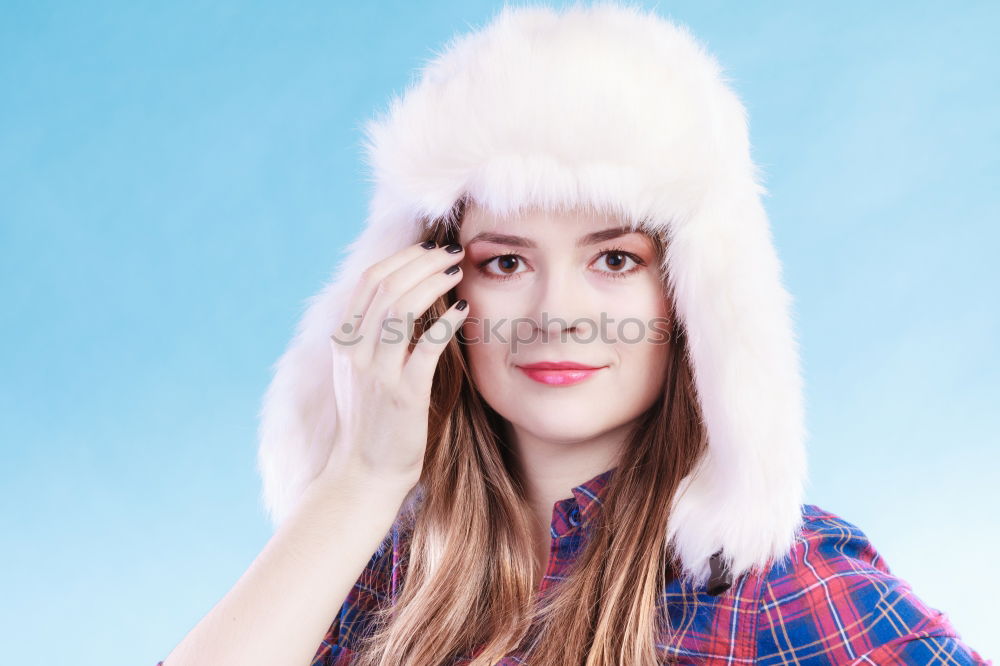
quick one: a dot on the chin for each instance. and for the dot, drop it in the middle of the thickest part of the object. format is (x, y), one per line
(564, 426)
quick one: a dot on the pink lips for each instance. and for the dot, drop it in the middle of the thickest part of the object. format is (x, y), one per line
(559, 373)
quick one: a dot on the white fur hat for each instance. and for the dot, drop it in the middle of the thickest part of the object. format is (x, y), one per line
(611, 106)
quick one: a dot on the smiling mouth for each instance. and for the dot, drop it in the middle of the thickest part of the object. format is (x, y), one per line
(560, 365)
(559, 373)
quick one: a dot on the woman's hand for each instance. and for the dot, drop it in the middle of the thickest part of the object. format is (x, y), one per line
(382, 389)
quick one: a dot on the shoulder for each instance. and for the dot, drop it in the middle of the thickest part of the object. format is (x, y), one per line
(834, 600)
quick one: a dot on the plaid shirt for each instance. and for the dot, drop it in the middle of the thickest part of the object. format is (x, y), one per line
(834, 601)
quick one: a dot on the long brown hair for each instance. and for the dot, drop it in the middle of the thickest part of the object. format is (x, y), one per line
(471, 580)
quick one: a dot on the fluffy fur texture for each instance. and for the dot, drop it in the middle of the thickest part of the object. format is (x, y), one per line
(611, 106)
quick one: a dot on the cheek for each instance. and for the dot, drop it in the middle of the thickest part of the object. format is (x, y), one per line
(484, 343)
(487, 364)
(490, 310)
(642, 375)
(467, 290)
(473, 286)
(637, 314)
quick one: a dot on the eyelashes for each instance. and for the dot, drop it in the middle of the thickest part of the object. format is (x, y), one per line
(613, 275)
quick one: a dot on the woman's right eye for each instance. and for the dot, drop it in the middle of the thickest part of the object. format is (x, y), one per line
(507, 265)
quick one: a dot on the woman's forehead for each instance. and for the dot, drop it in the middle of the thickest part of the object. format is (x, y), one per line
(540, 221)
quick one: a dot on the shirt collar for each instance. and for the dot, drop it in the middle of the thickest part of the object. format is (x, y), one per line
(590, 494)
(585, 503)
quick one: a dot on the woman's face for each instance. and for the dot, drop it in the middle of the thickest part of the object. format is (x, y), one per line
(595, 292)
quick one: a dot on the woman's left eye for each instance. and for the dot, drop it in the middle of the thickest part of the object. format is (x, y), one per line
(616, 259)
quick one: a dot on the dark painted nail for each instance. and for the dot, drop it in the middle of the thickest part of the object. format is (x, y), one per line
(452, 270)
(428, 245)
(454, 248)
(461, 304)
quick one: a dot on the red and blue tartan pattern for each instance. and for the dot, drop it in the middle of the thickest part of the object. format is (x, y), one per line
(831, 601)
(835, 601)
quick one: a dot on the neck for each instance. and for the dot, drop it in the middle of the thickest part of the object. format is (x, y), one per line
(552, 469)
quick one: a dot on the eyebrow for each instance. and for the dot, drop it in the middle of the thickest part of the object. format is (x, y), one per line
(520, 241)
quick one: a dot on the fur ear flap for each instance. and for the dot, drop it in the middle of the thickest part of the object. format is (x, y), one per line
(745, 495)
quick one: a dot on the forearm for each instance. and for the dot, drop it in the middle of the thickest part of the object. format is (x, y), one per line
(279, 610)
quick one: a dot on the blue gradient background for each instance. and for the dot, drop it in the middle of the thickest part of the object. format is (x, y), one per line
(176, 179)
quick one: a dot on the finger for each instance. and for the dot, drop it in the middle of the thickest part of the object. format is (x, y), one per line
(348, 330)
(393, 349)
(418, 371)
(392, 287)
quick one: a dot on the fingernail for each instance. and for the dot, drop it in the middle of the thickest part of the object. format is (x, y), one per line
(428, 245)
(454, 248)
(452, 270)
(461, 304)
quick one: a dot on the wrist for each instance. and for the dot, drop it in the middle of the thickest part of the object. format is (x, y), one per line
(354, 477)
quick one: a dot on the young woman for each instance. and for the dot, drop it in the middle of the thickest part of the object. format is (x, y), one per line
(555, 389)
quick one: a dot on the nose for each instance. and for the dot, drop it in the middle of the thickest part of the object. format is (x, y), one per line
(562, 307)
